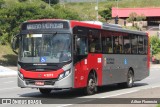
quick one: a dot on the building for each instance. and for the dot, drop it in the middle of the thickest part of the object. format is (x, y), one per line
(152, 16)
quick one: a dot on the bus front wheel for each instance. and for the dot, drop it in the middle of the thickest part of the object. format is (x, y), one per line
(45, 91)
(91, 85)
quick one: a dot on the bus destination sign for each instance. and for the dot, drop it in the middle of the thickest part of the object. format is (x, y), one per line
(45, 25)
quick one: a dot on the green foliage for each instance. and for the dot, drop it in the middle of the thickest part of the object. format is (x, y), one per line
(51, 1)
(135, 17)
(158, 105)
(155, 42)
(1, 3)
(14, 13)
(140, 17)
(157, 56)
(22, 0)
(106, 13)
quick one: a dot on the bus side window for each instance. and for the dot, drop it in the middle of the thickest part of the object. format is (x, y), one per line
(145, 45)
(118, 43)
(134, 41)
(127, 45)
(107, 44)
(140, 45)
(94, 41)
(81, 46)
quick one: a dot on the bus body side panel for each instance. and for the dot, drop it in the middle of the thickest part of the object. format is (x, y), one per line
(83, 68)
(115, 67)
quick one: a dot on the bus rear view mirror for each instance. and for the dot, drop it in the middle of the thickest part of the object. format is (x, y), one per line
(15, 43)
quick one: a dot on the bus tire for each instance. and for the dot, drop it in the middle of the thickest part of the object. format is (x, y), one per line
(130, 80)
(45, 91)
(91, 85)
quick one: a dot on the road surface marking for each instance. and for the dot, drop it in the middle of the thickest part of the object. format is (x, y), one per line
(149, 87)
(8, 88)
(1, 78)
(8, 82)
(120, 94)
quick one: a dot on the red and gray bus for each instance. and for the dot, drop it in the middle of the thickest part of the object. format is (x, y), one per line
(68, 54)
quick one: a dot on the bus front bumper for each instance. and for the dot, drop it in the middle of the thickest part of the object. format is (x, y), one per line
(65, 83)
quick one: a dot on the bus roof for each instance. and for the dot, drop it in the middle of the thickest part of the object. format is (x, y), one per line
(93, 24)
(114, 27)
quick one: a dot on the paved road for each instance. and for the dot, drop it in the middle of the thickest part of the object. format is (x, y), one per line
(9, 89)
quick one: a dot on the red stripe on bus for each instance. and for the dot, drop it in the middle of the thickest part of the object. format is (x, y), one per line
(41, 75)
(78, 23)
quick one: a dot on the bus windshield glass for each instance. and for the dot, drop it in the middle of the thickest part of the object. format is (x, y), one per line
(45, 48)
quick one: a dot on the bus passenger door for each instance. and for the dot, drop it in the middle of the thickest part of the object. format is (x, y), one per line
(80, 62)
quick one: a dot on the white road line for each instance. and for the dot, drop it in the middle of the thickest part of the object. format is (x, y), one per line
(8, 82)
(120, 94)
(114, 95)
(8, 88)
(100, 97)
(65, 105)
(7, 78)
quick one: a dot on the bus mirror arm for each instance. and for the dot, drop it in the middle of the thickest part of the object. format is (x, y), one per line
(14, 43)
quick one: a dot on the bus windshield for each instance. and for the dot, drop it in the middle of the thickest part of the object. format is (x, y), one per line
(45, 48)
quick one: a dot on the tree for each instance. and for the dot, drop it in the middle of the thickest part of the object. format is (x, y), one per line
(106, 14)
(140, 17)
(1, 3)
(132, 17)
(51, 1)
(12, 16)
(22, 0)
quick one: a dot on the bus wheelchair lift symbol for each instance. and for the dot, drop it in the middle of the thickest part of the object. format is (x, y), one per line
(43, 59)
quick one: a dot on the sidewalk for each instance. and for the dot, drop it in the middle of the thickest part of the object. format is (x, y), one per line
(155, 66)
(7, 72)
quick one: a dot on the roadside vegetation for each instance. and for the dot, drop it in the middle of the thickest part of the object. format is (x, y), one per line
(14, 12)
(155, 44)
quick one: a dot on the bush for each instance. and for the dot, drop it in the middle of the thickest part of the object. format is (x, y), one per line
(155, 42)
(157, 56)
(106, 14)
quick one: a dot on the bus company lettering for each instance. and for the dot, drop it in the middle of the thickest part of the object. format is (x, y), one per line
(110, 60)
(44, 26)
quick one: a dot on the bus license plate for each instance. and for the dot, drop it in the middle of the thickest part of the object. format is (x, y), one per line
(40, 83)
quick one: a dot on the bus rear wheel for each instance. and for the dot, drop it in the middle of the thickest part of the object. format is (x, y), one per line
(130, 80)
(45, 91)
(91, 85)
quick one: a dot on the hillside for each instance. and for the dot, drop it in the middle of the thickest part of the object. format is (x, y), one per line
(87, 10)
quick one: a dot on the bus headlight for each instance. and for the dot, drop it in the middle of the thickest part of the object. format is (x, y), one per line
(64, 74)
(21, 75)
(67, 73)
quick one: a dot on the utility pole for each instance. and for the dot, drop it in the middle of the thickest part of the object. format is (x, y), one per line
(49, 3)
(96, 8)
